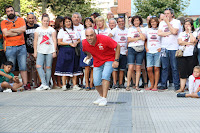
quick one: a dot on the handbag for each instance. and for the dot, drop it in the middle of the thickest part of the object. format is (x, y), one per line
(179, 53)
(77, 48)
(195, 51)
(138, 48)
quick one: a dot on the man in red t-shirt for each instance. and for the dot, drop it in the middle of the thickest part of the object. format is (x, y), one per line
(102, 49)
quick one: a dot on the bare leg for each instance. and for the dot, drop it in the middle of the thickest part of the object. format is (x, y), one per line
(121, 75)
(53, 71)
(114, 74)
(193, 95)
(134, 78)
(100, 90)
(182, 85)
(129, 74)
(138, 73)
(64, 78)
(151, 76)
(157, 76)
(91, 78)
(24, 76)
(87, 72)
(59, 81)
(105, 86)
(144, 75)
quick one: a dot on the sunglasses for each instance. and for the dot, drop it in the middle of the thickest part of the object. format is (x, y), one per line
(153, 16)
(121, 17)
(168, 8)
(88, 18)
(13, 24)
(30, 13)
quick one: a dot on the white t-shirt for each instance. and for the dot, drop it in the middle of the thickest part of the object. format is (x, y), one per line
(197, 33)
(153, 40)
(169, 42)
(189, 48)
(79, 28)
(133, 33)
(45, 44)
(65, 36)
(120, 36)
(105, 32)
(193, 85)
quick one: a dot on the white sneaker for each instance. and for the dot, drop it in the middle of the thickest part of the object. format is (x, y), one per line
(64, 88)
(41, 88)
(103, 102)
(75, 87)
(8, 90)
(98, 100)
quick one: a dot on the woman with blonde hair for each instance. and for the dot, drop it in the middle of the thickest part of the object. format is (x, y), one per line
(101, 26)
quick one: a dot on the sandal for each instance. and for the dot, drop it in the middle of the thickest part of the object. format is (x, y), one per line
(128, 88)
(180, 90)
(87, 88)
(137, 88)
(148, 89)
(154, 89)
(145, 85)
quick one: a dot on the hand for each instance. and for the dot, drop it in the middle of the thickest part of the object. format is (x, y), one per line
(147, 50)
(159, 49)
(54, 55)
(138, 29)
(115, 64)
(166, 19)
(16, 79)
(35, 55)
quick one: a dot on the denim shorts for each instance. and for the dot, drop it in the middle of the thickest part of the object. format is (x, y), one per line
(19, 53)
(102, 72)
(153, 59)
(135, 57)
(198, 93)
(122, 63)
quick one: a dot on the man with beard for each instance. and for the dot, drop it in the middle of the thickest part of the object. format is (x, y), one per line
(29, 37)
(13, 29)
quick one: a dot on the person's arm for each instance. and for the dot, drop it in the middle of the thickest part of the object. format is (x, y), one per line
(173, 30)
(142, 36)
(6, 75)
(192, 38)
(117, 54)
(55, 43)
(130, 39)
(19, 30)
(145, 45)
(197, 90)
(183, 43)
(9, 33)
(35, 44)
(163, 34)
(16, 79)
(110, 35)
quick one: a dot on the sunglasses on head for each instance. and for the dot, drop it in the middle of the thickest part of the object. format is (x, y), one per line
(153, 16)
(168, 9)
(30, 13)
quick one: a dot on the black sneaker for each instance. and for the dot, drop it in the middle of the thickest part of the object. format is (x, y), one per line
(68, 86)
(162, 88)
(122, 86)
(181, 94)
(115, 86)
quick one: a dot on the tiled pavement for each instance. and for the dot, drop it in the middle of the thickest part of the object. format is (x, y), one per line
(56, 111)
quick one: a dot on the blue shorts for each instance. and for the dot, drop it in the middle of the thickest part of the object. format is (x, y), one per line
(1, 89)
(122, 63)
(19, 53)
(102, 72)
(198, 93)
(135, 57)
(153, 59)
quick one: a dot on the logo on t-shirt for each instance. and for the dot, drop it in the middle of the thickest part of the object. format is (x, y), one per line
(45, 39)
(166, 29)
(136, 35)
(72, 36)
(100, 45)
(153, 37)
(122, 38)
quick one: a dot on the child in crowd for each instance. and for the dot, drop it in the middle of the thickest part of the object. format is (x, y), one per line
(7, 79)
(194, 84)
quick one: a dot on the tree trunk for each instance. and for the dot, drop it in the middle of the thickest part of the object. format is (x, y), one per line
(16, 4)
(44, 6)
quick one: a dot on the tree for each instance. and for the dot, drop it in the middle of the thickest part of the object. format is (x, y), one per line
(145, 8)
(16, 5)
(3, 3)
(67, 7)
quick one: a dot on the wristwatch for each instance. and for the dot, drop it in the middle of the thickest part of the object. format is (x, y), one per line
(117, 60)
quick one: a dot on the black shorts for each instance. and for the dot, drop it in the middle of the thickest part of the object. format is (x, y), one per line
(2, 58)
(185, 66)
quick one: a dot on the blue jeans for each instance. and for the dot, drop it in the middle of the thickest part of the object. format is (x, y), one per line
(153, 59)
(135, 57)
(169, 61)
(41, 58)
(102, 72)
(18, 53)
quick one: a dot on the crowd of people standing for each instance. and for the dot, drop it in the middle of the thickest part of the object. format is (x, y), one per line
(62, 48)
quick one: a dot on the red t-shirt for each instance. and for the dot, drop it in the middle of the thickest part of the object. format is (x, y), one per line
(103, 50)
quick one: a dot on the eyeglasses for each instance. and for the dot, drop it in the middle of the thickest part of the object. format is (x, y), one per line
(121, 17)
(168, 9)
(88, 18)
(30, 13)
